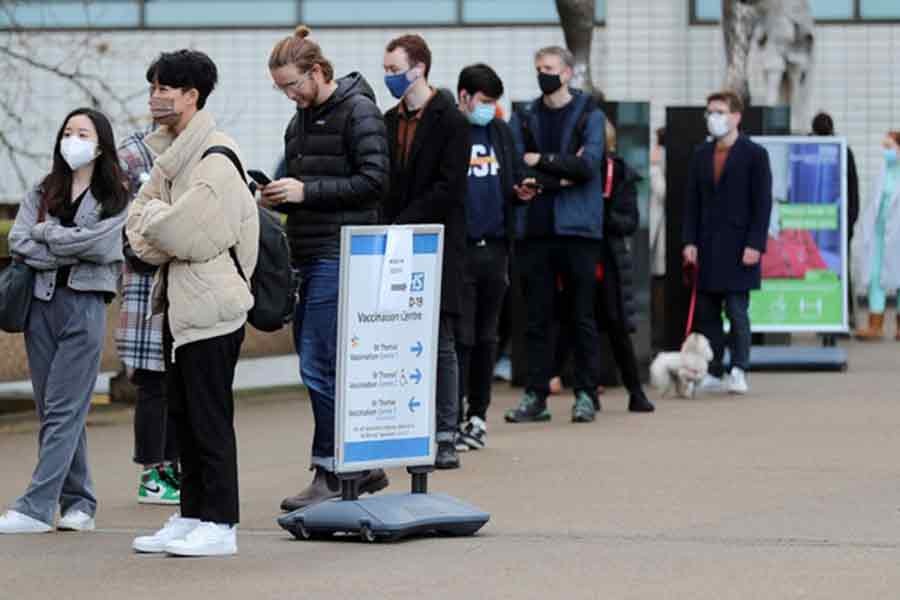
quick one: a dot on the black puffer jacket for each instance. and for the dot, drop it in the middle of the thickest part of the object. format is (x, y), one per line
(339, 151)
(620, 220)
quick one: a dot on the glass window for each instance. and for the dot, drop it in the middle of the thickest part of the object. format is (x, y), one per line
(509, 11)
(203, 13)
(370, 12)
(600, 11)
(832, 9)
(101, 13)
(879, 9)
(824, 10)
(707, 10)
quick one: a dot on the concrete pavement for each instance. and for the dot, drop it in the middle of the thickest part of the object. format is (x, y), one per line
(790, 492)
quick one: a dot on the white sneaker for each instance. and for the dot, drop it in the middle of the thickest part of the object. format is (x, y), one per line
(76, 520)
(711, 384)
(207, 539)
(175, 528)
(16, 522)
(737, 382)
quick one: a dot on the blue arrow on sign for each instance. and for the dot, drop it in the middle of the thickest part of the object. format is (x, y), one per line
(417, 349)
(417, 376)
(413, 405)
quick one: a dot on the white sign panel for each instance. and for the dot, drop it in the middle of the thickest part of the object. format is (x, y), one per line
(388, 319)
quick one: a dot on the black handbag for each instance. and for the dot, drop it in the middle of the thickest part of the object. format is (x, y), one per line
(17, 290)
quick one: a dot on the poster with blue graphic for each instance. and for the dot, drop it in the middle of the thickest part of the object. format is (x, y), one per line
(388, 317)
(804, 267)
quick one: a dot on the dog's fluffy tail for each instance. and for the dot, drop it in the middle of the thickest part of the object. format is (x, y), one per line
(660, 377)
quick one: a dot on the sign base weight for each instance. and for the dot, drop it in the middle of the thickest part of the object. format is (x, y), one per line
(385, 518)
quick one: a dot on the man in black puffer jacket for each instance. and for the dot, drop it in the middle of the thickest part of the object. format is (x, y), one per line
(337, 162)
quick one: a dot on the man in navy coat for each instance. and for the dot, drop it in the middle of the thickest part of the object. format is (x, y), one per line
(729, 199)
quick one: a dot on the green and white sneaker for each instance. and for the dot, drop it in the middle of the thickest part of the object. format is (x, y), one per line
(159, 486)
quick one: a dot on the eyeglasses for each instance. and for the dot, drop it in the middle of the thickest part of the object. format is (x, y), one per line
(293, 85)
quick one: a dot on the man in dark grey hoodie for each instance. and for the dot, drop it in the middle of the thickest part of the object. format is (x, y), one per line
(337, 173)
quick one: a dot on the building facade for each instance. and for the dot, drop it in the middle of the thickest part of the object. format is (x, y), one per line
(668, 52)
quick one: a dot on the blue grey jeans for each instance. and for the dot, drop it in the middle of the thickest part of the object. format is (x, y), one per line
(64, 341)
(709, 323)
(315, 338)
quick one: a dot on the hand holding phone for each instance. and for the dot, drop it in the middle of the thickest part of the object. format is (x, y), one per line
(259, 177)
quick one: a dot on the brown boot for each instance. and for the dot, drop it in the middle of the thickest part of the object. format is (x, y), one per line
(874, 331)
(326, 485)
(897, 332)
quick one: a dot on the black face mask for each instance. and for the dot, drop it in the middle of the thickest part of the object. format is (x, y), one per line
(549, 83)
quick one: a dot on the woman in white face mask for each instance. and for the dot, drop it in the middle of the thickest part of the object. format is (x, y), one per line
(69, 230)
(877, 249)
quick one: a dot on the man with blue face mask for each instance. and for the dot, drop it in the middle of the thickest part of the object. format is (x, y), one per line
(493, 172)
(726, 222)
(428, 138)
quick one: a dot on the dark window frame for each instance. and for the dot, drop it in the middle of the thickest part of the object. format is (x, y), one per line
(142, 24)
(856, 19)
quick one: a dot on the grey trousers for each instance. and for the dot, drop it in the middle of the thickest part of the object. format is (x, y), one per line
(64, 341)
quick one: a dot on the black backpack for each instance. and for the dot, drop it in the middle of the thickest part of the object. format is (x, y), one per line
(274, 285)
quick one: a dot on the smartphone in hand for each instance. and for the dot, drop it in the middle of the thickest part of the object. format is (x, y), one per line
(259, 177)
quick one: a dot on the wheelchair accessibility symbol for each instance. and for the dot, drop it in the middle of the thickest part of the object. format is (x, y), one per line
(418, 282)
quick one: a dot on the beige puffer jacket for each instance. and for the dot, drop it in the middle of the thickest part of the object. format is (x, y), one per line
(188, 215)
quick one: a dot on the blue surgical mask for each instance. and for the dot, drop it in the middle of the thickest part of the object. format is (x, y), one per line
(890, 156)
(397, 84)
(482, 115)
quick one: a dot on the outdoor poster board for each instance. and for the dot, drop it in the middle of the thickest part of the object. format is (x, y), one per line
(804, 268)
(388, 318)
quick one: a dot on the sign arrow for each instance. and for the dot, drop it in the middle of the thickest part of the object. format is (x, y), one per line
(417, 376)
(417, 349)
(413, 405)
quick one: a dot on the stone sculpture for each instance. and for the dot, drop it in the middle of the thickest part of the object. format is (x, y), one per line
(781, 33)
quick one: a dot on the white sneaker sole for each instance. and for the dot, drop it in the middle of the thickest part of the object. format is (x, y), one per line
(90, 526)
(179, 550)
(158, 501)
(25, 531)
(148, 547)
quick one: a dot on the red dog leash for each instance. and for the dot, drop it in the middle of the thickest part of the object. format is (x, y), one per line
(690, 272)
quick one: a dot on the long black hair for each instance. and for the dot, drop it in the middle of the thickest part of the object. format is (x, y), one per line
(107, 183)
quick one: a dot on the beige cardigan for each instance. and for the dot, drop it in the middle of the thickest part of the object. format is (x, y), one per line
(188, 215)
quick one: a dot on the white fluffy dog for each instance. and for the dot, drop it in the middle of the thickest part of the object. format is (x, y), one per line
(682, 370)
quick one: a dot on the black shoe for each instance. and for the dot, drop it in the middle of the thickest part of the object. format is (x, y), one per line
(531, 408)
(638, 402)
(446, 458)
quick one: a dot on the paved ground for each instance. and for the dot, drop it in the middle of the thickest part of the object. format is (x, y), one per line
(791, 492)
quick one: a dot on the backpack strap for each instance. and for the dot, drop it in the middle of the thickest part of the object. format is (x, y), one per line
(229, 153)
(608, 183)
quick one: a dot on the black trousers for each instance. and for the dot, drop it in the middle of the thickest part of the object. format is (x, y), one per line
(155, 435)
(610, 322)
(199, 386)
(544, 264)
(485, 281)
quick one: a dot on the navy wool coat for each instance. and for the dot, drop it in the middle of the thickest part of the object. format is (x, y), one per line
(722, 220)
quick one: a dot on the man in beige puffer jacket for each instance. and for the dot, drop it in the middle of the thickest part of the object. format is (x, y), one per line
(186, 218)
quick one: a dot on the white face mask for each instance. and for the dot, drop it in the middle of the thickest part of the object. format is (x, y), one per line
(78, 152)
(717, 124)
